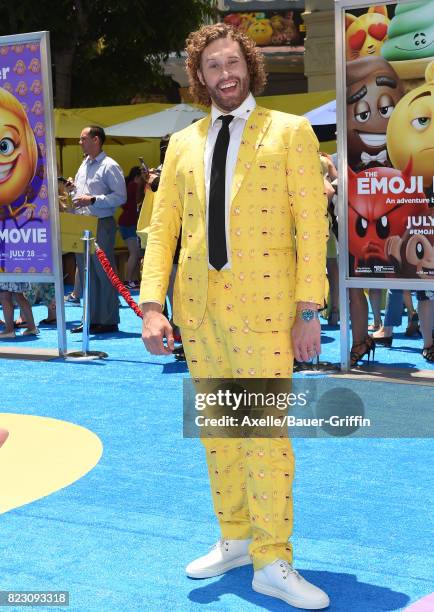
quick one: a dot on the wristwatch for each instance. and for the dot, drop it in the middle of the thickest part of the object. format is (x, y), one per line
(306, 314)
(93, 200)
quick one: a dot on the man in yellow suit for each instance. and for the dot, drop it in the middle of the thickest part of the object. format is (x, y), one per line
(245, 186)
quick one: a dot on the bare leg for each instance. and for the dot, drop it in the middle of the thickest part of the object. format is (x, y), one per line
(133, 259)
(26, 309)
(358, 315)
(51, 311)
(408, 301)
(333, 276)
(375, 301)
(76, 292)
(413, 328)
(426, 318)
(363, 343)
(8, 311)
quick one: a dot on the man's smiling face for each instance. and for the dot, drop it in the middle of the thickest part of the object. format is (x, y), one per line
(225, 74)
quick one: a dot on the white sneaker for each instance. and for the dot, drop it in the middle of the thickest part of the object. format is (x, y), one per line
(279, 579)
(223, 556)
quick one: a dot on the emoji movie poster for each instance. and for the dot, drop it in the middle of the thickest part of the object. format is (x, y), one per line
(389, 66)
(269, 28)
(25, 233)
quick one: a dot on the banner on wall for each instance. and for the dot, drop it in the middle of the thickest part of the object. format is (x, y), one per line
(26, 231)
(388, 63)
(270, 27)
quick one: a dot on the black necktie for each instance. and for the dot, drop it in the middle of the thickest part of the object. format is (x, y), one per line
(217, 251)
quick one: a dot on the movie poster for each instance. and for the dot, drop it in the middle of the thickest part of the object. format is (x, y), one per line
(389, 58)
(25, 232)
(269, 28)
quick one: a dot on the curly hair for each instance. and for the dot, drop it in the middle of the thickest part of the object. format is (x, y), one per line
(196, 43)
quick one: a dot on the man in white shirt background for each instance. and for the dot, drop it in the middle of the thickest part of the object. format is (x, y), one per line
(99, 190)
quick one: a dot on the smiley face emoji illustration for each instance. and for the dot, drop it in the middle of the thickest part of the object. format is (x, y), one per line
(43, 212)
(35, 65)
(39, 129)
(43, 192)
(21, 88)
(410, 132)
(20, 67)
(37, 108)
(18, 150)
(36, 87)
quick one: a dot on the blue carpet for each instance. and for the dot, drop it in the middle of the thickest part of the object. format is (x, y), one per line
(118, 539)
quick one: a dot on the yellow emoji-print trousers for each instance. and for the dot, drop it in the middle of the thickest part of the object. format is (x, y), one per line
(251, 478)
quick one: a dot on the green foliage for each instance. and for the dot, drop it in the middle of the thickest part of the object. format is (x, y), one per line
(106, 51)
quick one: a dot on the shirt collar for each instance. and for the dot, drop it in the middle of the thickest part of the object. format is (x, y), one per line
(98, 158)
(242, 112)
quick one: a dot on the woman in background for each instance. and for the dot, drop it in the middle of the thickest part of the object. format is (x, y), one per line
(8, 292)
(128, 226)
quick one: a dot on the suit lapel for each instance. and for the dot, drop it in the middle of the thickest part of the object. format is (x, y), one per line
(196, 152)
(253, 134)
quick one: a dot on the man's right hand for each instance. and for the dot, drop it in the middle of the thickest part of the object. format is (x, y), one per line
(155, 329)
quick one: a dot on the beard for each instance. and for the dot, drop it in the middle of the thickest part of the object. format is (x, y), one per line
(230, 99)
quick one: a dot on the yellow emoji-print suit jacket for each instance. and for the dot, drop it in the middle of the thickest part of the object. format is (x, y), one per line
(278, 223)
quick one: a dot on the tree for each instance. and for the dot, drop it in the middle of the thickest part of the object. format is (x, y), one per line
(106, 51)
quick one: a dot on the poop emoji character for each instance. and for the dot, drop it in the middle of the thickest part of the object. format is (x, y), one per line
(373, 90)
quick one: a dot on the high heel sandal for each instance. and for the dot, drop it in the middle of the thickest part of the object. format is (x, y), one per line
(428, 353)
(413, 328)
(360, 349)
(384, 340)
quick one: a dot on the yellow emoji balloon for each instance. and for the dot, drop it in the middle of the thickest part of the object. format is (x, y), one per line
(18, 149)
(410, 131)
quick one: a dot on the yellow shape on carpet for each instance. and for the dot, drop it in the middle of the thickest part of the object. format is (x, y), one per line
(41, 456)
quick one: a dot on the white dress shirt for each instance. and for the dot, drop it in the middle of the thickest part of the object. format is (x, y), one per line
(236, 127)
(103, 179)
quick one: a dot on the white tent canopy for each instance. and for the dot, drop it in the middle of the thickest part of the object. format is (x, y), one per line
(157, 125)
(323, 115)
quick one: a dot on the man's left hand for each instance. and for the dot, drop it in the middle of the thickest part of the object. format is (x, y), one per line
(83, 200)
(306, 339)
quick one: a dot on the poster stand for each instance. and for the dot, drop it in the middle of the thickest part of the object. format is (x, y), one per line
(348, 278)
(30, 247)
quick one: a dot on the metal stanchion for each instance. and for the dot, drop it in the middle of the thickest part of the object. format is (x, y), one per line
(85, 354)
